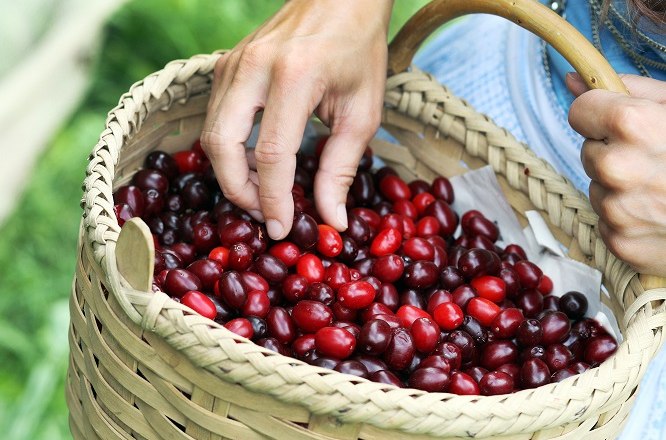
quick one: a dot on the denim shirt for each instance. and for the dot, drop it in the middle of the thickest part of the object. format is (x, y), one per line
(577, 13)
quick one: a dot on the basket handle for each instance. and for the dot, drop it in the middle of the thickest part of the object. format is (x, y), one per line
(529, 14)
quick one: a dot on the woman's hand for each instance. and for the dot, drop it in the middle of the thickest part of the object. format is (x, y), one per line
(327, 57)
(625, 156)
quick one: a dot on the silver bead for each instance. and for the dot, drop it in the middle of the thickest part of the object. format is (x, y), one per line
(558, 6)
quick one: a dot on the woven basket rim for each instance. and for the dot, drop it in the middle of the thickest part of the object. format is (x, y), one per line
(355, 398)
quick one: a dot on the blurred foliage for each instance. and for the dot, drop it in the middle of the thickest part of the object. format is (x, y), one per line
(39, 241)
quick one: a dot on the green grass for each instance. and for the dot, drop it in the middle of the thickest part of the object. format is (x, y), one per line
(38, 241)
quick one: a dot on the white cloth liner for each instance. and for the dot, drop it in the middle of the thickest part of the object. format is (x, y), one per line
(479, 189)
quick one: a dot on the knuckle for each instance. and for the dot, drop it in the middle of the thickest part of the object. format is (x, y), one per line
(613, 171)
(237, 193)
(611, 213)
(343, 180)
(621, 247)
(211, 140)
(251, 57)
(220, 65)
(625, 121)
(371, 122)
(269, 198)
(290, 69)
(269, 153)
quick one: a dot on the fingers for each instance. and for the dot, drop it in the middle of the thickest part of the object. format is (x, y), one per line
(645, 253)
(611, 208)
(575, 84)
(638, 86)
(591, 113)
(226, 129)
(339, 161)
(615, 166)
(288, 107)
(646, 88)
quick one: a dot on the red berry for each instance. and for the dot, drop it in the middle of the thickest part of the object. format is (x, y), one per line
(405, 208)
(188, 161)
(430, 379)
(388, 268)
(408, 314)
(438, 297)
(427, 226)
(448, 316)
(310, 316)
(240, 326)
(394, 188)
(280, 324)
(132, 196)
(545, 285)
(496, 382)
(400, 350)
(180, 281)
(356, 294)
(303, 344)
(394, 221)
(286, 251)
(463, 384)
(478, 225)
(422, 200)
(330, 242)
(425, 334)
(370, 217)
(336, 275)
(123, 213)
(335, 342)
(257, 304)
(483, 310)
(200, 303)
(442, 189)
(310, 267)
(221, 255)
(506, 323)
(528, 273)
(386, 242)
(374, 337)
(490, 287)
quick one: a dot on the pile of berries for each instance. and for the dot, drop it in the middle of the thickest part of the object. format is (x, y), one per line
(396, 298)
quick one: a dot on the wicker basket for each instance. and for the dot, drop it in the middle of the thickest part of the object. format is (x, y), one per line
(144, 366)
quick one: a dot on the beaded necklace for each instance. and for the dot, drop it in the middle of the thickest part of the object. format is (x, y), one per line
(639, 60)
(596, 13)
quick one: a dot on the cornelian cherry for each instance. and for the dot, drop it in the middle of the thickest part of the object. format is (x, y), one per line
(394, 188)
(448, 316)
(356, 294)
(395, 298)
(335, 342)
(310, 267)
(200, 303)
(386, 242)
(490, 287)
(286, 251)
(330, 242)
(483, 310)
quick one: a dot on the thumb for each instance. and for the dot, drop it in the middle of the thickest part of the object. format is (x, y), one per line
(337, 168)
(575, 84)
(646, 88)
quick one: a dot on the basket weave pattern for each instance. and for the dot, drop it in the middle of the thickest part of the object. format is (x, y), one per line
(144, 366)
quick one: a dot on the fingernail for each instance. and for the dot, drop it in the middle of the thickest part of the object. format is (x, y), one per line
(256, 214)
(274, 229)
(342, 214)
(574, 76)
